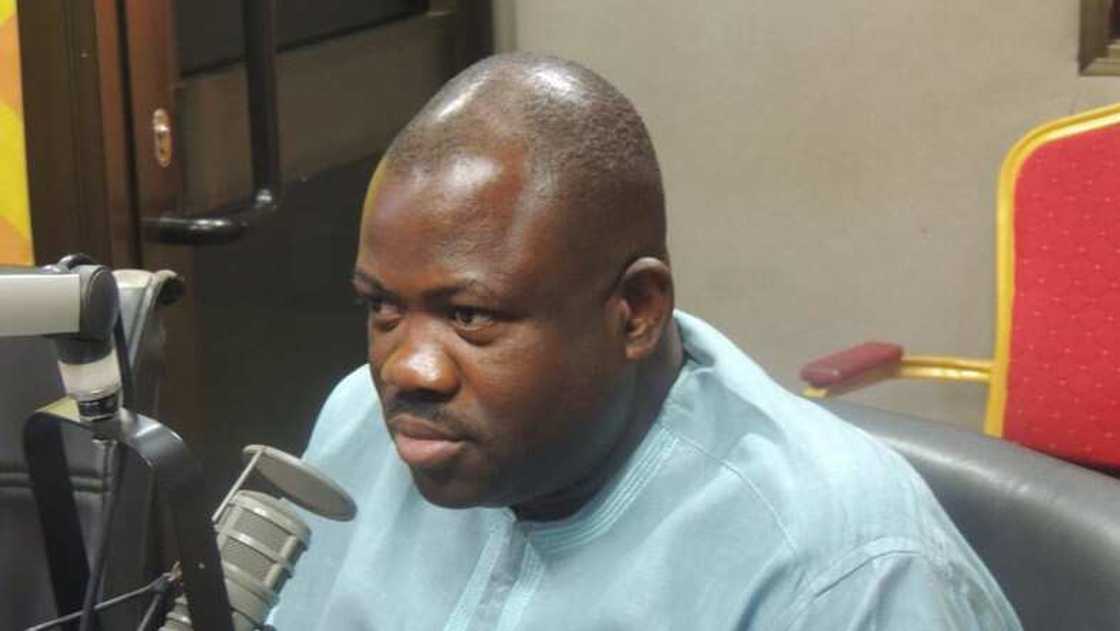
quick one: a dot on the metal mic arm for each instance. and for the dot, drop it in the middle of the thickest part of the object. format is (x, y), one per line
(54, 300)
(78, 308)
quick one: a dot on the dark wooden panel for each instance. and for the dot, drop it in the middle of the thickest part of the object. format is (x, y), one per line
(123, 234)
(77, 157)
(210, 31)
(340, 100)
(152, 69)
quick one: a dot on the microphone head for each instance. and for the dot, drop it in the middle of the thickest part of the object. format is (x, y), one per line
(259, 540)
(302, 484)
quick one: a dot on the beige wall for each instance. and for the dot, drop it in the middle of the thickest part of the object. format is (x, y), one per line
(830, 166)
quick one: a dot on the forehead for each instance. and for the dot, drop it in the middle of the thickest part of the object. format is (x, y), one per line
(467, 218)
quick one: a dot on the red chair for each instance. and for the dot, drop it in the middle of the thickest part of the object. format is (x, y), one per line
(1054, 383)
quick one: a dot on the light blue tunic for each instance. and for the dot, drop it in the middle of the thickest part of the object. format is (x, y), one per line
(745, 507)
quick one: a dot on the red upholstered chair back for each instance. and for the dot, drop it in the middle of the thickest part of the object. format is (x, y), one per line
(1057, 365)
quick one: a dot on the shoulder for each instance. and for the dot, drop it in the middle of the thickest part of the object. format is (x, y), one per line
(349, 428)
(893, 584)
(828, 486)
(354, 391)
(852, 513)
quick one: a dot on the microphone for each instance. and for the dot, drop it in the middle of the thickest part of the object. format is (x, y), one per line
(260, 537)
(77, 305)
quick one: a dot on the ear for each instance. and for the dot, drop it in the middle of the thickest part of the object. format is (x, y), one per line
(646, 299)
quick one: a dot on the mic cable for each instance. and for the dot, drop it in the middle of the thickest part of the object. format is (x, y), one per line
(161, 586)
(114, 471)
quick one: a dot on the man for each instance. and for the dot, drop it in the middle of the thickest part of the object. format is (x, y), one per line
(541, 442)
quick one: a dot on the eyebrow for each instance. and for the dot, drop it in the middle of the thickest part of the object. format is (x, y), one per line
(361, 277)
(364, 283)
(466, 285)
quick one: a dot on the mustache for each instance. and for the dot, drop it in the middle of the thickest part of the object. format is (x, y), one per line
(431, 411)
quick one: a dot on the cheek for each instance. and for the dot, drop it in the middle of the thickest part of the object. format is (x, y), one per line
(375, 346)
(535, 394)
(508, 384)
(375, 355)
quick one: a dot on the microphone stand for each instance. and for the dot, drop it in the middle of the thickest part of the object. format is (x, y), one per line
(179, 481)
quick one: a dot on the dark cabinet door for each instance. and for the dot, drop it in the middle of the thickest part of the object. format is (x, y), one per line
(269, 322)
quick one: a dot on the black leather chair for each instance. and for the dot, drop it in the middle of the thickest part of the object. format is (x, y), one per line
(28, 380)
(1048, 530)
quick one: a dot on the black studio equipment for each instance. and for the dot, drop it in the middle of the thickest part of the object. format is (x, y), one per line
(223, 581)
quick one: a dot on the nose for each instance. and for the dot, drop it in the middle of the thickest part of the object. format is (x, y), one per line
(419, 366)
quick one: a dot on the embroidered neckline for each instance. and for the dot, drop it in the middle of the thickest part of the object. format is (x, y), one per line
(609, 505)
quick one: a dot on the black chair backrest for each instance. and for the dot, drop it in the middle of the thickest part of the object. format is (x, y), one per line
(29, 379)
(1048, 530)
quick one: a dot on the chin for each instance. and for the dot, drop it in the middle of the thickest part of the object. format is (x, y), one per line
(448, 492)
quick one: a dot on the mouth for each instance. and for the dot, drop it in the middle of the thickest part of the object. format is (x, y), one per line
(423, 445)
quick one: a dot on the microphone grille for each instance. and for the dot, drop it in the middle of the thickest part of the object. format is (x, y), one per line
(259, 540)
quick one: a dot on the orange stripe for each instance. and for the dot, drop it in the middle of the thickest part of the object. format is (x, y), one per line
(14, 248)
(10, 89)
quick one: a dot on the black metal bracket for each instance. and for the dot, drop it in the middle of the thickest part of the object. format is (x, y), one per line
(179, 483)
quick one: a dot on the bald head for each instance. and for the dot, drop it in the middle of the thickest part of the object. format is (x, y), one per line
(513, 257)
(589, 164)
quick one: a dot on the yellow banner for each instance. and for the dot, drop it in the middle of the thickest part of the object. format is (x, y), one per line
(15, 215)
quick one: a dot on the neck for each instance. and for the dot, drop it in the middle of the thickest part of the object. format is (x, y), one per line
(654, 379)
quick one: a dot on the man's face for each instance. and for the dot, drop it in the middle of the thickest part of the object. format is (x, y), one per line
(490, 346)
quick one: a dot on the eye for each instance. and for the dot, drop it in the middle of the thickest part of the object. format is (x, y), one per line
(383, 313)
(471, 318)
